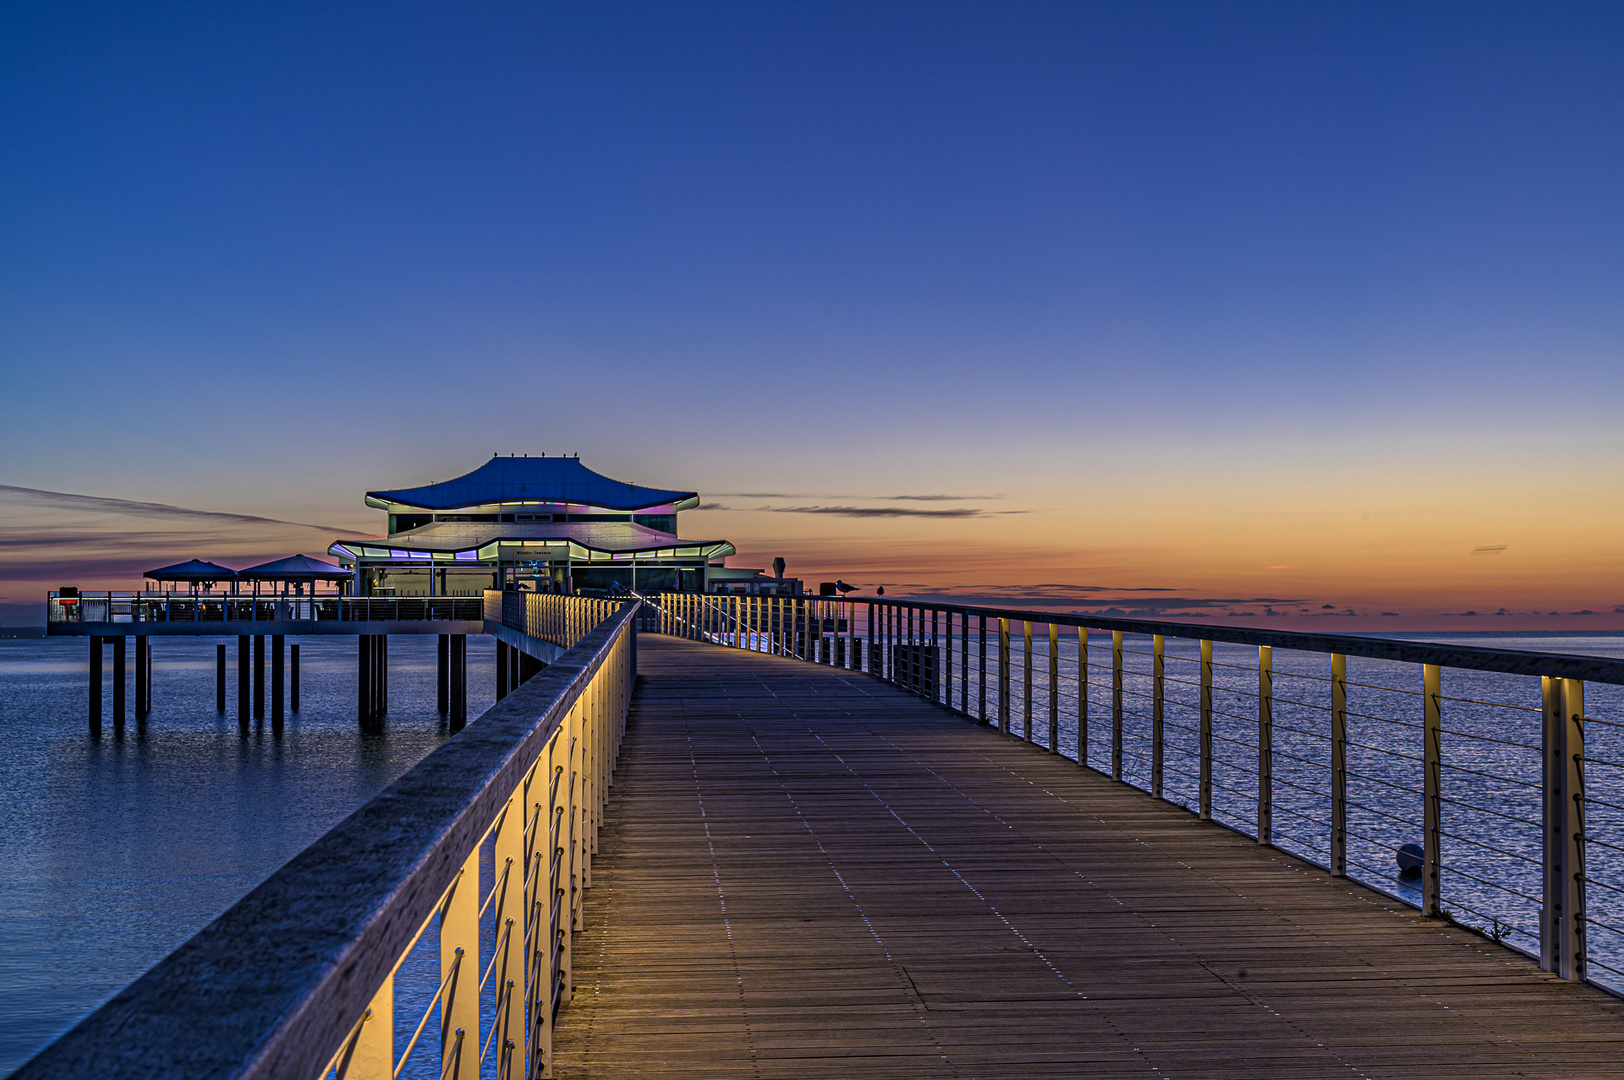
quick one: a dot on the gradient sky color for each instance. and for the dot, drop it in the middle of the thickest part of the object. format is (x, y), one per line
(1268, 311)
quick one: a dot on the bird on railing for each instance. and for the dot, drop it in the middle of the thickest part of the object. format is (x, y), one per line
(880, 591)
(843, 587)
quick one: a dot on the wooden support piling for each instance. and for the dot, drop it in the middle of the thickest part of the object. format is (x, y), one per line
(95, 687)
(278, 679)
(259, 676)
(293, 676)
(220, 677)
(119, 684)
(243, 679)
(143, 676)
(443, 672)
(459, 682)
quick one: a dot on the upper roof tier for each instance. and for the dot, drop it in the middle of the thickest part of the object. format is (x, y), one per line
(534, 480)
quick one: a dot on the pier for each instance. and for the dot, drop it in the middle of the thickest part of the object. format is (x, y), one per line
(796, 837)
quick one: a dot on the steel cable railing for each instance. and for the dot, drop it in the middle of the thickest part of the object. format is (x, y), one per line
(1245, 726)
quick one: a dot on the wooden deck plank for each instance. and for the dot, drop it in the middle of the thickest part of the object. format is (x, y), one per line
(804, 873)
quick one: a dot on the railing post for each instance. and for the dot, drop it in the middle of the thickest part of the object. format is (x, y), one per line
(1432, 753)
(1054, 688)
(1158, 693)
(964, 663)
(1082, 695)
(981, 670)
(1265, 744)
(372, 1055)
(1026, 679)
(1003, 675)
(1116, 704)
(1562, 917)
(1339, 765)
(947, 654)
(459, 971)
(1206, 731)
(508, 856)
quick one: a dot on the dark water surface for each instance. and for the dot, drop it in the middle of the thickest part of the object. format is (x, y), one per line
(115, 852)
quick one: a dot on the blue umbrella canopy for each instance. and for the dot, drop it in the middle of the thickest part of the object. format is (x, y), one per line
(295, 568)
(192, 570)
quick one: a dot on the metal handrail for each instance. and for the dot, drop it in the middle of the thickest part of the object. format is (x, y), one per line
(987, 663)
(305, 955)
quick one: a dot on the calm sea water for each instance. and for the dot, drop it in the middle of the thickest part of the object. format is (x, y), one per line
(116, 851)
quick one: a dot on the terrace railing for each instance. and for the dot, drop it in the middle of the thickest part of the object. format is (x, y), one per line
(557, 619)
(132, 607)
(1479, 771)
(429, 933)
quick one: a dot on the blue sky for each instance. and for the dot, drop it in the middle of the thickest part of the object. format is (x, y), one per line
(258, 259)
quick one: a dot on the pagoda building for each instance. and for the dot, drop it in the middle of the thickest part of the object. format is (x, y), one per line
(544, 523)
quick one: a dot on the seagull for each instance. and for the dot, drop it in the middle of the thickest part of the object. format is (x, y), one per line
(843, 587)
(880, 591)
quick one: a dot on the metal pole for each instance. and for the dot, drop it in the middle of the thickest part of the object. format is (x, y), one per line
(1082, 695)
(1116, 704)
(1054, 688)
(459, 973)
(220, 677)
(981, 670)
(293, 671)
(1432, 752)
(1562, 916)
(1026, 679)
(1339, 765)
(1003, 675)
(1206, 731)
(1265, 744)
(1158, 694)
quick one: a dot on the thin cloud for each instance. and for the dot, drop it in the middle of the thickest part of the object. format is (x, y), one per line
(826, 495)
(879, 511)
(103, 504)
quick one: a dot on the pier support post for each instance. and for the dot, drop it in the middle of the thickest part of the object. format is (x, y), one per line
(143, 676)
(459, 681)
(1562, 916)
(119, 684)
(278, 649)
(366, 674)
(220, 677)
(243, 679)
(259, 676)
(95, 687)
(382, 683)
(444, 673)
(293, 676)
(501, 670)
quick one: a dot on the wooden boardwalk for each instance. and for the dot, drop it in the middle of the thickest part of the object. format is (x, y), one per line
(807, 873)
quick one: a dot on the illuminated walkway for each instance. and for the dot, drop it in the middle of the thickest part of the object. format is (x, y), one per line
(807, 873)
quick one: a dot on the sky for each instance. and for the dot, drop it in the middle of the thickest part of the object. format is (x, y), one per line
(1302, 314)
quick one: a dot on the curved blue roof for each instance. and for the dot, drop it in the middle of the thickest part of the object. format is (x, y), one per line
(538, 479)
